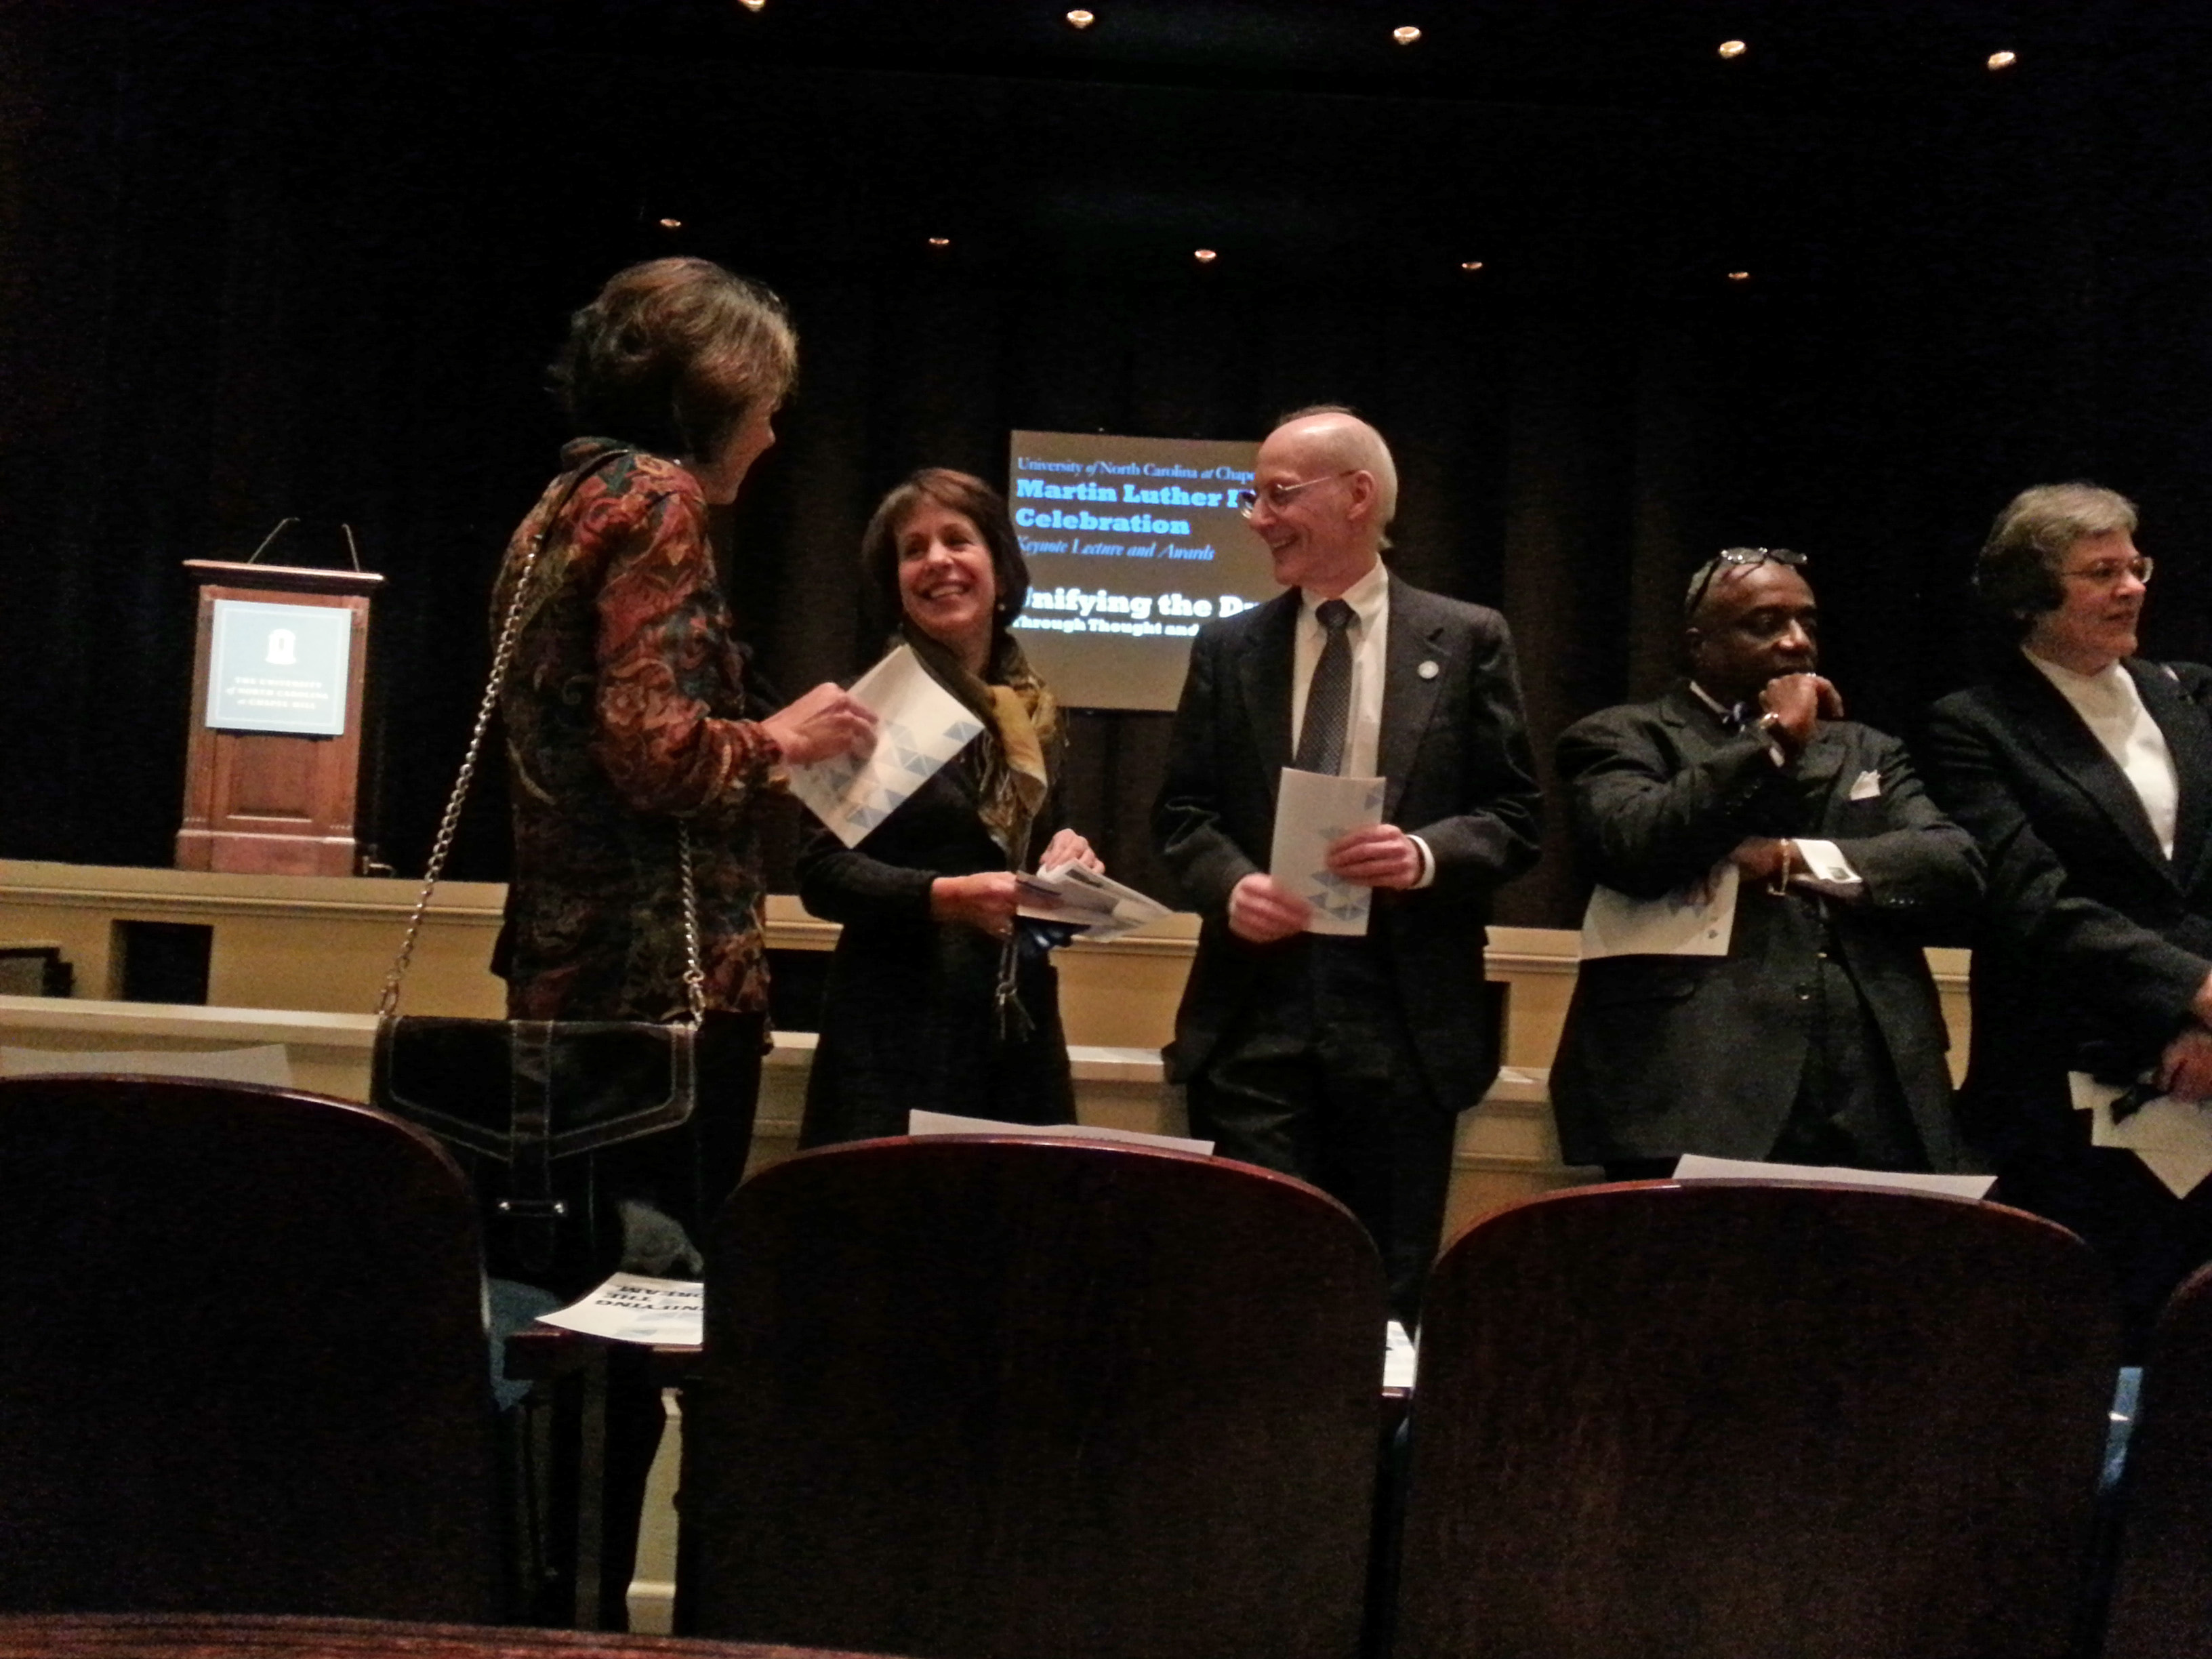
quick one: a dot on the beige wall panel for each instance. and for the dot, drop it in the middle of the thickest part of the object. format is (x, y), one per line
(299, 960)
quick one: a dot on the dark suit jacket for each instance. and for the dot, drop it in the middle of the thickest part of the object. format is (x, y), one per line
(1454, 749)
(2093, 942)
(1668, 1054)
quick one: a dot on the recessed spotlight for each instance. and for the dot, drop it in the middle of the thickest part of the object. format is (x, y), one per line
(2003, 60)
(671, 224)
(940, 241)
(1470, 264)
(1405, 34)
(1739, 275)
(1081, 19)
(1733, 48)
(1205, 256)
(752, 5)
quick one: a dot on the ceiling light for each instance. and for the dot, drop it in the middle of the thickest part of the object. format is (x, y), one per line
(1205, 256)
(2003, 60)
(671, 224)
(1081, 19)
(940, 241)
(1739, 275)
(752, 5)
(1733, 49)
(1406, 35)
(1470, 264)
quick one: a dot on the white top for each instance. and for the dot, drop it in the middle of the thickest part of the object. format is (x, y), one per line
(2112, 709)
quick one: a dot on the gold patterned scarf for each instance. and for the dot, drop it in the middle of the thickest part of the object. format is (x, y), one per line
(1022, 720)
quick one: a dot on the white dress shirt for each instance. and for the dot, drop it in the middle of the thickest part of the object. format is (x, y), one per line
(2112, 709)
(1369, 636)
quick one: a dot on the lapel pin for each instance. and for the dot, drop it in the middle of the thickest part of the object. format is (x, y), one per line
(1427, 671)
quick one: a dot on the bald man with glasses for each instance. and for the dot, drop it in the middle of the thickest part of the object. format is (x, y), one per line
(1346, 1061)
(1815, 1037)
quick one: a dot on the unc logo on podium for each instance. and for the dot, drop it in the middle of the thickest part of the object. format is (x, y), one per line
(311, 645)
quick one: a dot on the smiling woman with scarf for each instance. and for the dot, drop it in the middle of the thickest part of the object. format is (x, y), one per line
(939, 998)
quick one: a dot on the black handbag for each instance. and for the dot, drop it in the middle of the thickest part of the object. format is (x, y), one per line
(526, 1105)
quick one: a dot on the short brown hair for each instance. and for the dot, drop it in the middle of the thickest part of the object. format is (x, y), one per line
(2017, 572)
(958, 492)
(672, 356)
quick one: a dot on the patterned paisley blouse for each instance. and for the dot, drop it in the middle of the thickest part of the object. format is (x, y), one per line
(624, 709)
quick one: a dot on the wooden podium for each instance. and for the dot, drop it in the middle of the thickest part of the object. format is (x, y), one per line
(273, 769)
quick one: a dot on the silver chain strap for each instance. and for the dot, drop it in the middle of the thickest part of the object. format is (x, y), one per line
(694, 975)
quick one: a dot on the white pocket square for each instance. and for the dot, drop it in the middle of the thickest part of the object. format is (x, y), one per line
(1866, 786)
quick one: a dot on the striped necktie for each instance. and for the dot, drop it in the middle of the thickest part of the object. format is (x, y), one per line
(1328, 696)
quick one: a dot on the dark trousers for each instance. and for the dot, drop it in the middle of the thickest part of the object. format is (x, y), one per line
(1850, 1111)
(2151, 1239)
(1319, 1080)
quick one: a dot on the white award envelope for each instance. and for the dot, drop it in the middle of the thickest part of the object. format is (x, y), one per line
(1313, 812)
(2174, 1138)
(919, 726)
(1684, 923)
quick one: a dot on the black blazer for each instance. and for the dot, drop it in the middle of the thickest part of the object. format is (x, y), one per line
(2093, 942)
(1667, 1054)
(909, 1015)
(1453, 748)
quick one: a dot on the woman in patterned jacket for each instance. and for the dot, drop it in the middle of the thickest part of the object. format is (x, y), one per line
(627, 713)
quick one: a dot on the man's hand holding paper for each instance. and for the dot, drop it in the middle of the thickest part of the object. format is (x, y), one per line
(1376, 855)
(1320, 819)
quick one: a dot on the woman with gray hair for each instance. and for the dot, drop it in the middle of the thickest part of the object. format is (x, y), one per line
(2085, 772)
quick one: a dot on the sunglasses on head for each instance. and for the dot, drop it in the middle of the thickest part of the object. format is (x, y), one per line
(1748, 558)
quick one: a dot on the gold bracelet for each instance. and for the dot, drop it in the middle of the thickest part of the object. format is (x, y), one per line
(1780, 886)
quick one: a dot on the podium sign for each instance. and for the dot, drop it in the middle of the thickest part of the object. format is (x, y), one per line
(272, 770)
(279, 668)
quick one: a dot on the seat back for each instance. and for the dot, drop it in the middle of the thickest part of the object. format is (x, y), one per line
(2161, 1606)
(1755, 1419)
(981, 1397)
(245, 1366)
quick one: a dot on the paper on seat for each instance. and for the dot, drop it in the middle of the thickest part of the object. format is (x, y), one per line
(631, 1307)
(946, 1123)
(1695, 1167)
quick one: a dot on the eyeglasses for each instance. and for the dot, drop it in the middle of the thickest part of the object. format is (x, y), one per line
(1278, 494)
(1750, 557)
(2106, 573)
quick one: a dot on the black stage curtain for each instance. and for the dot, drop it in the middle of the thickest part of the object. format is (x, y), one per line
(267, 259)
